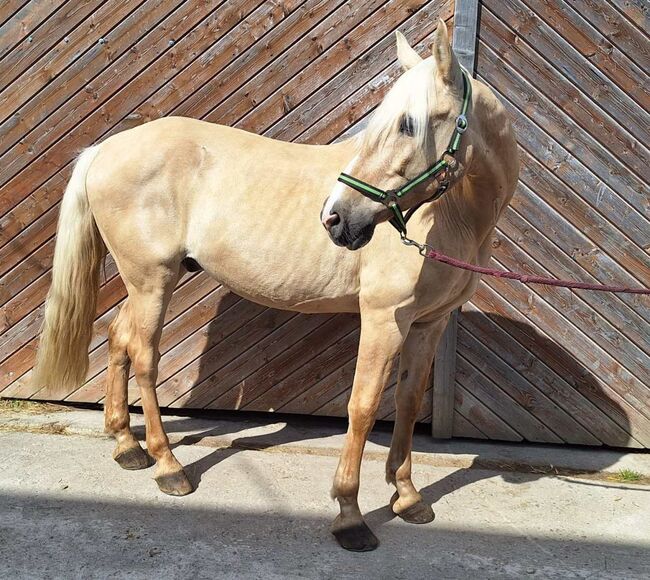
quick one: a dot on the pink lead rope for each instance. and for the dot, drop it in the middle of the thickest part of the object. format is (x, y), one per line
(432, 254)
(529, 279)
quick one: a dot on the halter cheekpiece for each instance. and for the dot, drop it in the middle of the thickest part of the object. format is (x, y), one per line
(439, 170)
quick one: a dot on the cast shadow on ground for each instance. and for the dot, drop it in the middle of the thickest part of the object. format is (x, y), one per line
(58, 536)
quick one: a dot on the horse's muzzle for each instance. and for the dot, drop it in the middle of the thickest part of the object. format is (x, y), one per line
(347, 233)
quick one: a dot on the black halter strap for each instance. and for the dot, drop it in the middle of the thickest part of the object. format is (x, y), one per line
(440, 168)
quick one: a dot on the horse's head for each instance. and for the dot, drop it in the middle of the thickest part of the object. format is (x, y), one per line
(410, 129)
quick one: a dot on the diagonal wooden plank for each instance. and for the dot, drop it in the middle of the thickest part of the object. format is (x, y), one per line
(523, 393)
(246, 389)
(619, 27)
(592, 45)
(569, 117)
(313, 370)
(320, 39)
(7, 9)
(467, 405)
(620, 406)
(558, 159)
(230, 380)
(464, 428)
(326, 65)
(356, 75)
(529, 28)
(178, 389)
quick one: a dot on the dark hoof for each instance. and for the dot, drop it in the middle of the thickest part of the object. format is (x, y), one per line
(133, 458)
(355, 535)
(419, 513)
(174, 483)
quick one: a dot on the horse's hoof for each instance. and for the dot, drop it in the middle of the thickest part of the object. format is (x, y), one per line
(174, 483)
(133, 458)
(354, 535)
(418, 513)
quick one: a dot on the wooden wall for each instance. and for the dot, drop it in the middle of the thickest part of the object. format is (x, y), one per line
(536, 364)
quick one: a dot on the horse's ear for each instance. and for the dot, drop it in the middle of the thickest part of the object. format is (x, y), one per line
(446, 61)
(407, 57)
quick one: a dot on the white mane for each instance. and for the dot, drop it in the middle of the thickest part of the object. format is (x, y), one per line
(413, 94)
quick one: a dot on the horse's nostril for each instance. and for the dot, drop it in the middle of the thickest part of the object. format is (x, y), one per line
(331, 220)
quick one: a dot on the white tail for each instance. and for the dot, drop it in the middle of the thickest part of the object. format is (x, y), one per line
(62, 359)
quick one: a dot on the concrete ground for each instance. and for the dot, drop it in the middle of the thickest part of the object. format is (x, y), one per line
(68, 511)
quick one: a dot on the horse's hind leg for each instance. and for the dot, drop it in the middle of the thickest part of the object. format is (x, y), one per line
(148, 302)
(128, 452)
(415, 365)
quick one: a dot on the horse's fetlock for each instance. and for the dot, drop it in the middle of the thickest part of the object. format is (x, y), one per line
(345, 490)
(158, 447)
(115, 423)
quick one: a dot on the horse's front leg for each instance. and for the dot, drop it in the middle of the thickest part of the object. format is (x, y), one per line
(381, 340)
(414, 370)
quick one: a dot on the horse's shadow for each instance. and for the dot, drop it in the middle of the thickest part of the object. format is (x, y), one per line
(300, 428)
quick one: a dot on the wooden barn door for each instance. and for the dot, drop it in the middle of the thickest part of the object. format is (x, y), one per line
(541, 363)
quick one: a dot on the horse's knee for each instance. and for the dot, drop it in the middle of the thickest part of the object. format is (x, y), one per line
(407, 398)
(361, 414)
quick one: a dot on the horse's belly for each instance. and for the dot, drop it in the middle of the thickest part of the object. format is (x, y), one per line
(294, 290)
(280, 271)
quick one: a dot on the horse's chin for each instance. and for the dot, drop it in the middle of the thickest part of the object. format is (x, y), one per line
(359, 243)
(361, 238)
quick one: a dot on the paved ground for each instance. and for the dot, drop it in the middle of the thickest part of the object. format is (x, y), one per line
(68, 511)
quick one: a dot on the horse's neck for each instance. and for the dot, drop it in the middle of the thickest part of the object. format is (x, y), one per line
(468, 211)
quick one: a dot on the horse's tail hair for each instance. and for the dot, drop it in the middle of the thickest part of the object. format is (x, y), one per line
(62, 359)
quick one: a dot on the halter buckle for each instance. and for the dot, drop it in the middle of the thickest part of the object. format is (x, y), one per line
(461, 123)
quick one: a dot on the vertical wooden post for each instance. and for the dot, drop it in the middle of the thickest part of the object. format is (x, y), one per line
(444, 380)
(444, 369)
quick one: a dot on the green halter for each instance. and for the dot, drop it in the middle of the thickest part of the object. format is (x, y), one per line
(391, 197)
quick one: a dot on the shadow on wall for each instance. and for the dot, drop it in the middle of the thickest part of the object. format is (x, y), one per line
(525, 383)
(261, 359)
(550, 397)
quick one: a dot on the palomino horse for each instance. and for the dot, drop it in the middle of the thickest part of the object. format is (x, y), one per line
(178, 192)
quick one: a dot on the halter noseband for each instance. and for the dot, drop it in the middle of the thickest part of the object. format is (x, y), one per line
(440, 168)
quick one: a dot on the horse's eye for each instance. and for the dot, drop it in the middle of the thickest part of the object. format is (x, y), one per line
(407, 126)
